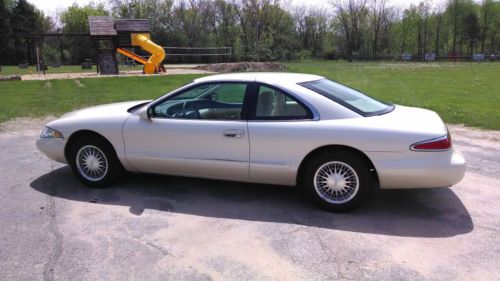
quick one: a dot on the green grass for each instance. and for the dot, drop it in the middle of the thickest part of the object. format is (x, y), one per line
(462, 93)
(55, 97)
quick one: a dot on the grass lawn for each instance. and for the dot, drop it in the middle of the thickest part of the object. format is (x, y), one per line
(55, 97)
(462, 93)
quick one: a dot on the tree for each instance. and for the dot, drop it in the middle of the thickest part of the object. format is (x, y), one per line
(5, 33)
(352, 15)
(438, 18)
(495, 28)
(378, 15)
(454, 11)
(252, 16)
(75, 20)
(487, 12)
(311, 27)
(25, 20)
(471, 30)
(423, 20)
(158, 12)
(266, 29)
(226, 22)
(409, 30)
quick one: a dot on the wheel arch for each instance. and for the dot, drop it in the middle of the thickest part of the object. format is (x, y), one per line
(322, 149)
(78, 134)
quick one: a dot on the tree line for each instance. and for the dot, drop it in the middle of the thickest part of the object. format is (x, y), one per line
(262, 30)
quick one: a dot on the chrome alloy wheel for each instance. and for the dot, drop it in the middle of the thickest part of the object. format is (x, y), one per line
(336, 182)
(91, 163)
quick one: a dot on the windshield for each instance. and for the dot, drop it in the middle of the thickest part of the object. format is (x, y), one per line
(348, 97)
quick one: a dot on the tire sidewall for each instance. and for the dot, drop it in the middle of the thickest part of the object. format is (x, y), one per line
(114, 166)
(356, 163)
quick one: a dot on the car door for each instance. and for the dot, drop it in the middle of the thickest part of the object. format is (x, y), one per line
(201, 132)
(276, 129)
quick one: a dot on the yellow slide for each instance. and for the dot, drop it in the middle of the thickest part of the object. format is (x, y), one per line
(131, 55)
(155, 63)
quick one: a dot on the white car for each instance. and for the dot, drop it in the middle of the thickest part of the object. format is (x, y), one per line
(275, 128)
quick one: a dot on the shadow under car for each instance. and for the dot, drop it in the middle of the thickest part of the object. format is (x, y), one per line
(413, 213)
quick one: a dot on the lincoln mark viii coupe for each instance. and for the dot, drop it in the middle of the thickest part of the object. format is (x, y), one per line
(332, 141)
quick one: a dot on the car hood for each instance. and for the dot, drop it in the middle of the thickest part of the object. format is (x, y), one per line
(111, 109)
(97, 118)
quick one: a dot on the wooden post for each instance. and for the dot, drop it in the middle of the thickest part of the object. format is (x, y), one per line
(37, 58)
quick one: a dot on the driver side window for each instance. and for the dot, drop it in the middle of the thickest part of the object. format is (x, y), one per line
(217, 101)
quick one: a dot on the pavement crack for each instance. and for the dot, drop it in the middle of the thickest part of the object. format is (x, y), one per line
(11, 189)
(293, 231)
(326, 251)
(57, 249)
(159, 248)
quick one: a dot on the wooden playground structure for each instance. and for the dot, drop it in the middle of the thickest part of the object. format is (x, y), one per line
(110, 36)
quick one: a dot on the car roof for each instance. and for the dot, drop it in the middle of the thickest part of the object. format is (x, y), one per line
(266, 77)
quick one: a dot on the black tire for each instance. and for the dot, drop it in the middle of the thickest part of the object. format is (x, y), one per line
(114, 168)
(349, 161)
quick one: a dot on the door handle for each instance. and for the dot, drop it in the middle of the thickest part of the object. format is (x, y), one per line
(234, 133)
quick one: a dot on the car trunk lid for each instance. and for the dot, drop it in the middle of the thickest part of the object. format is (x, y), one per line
(420, 121)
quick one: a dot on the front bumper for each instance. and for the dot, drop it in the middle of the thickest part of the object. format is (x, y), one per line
(53, 148)
(414, 169)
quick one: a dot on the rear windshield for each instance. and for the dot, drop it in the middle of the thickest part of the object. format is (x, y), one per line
(348, 97)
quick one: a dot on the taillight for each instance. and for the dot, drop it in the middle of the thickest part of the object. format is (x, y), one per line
(441, 143)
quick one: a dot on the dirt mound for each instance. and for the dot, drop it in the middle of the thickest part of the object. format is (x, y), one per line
(242, 67)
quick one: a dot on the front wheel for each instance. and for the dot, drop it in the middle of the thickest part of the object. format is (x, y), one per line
(94, 161)
(337, 181)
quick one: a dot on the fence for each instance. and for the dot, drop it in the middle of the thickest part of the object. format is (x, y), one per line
(422, 58)
(198, 54)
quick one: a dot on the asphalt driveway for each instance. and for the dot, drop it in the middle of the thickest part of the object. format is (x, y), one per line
(170, 228)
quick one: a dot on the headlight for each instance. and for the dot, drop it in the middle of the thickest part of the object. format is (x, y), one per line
(49, 133)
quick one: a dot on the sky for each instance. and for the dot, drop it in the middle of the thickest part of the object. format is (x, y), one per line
(51, 7)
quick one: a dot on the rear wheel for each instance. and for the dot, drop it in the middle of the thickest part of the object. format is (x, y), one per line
(94, 161)
(337, 181)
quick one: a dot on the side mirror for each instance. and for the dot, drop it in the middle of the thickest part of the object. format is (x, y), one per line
(146, 114)
(149, 112)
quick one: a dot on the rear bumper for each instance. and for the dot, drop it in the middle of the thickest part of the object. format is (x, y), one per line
(412, 169)
(53, 148)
